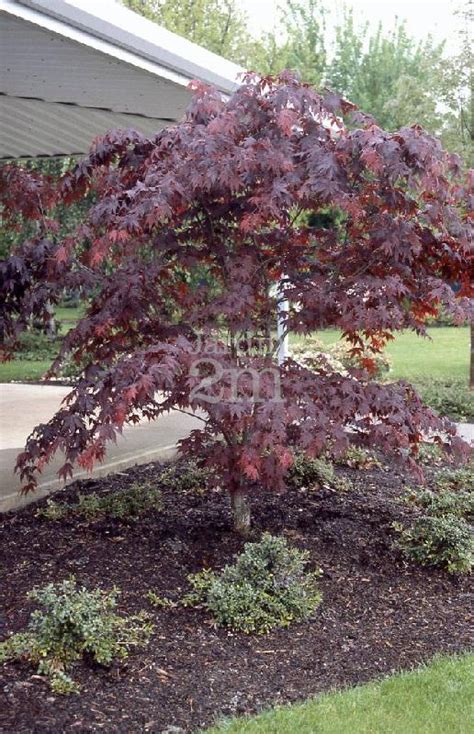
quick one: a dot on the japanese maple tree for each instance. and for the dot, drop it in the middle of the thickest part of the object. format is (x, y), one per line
(188, 234)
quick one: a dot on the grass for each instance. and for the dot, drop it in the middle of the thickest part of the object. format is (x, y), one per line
(434, 699)
(69, 314)
(444, 356)
(32, 370)
(18, 370)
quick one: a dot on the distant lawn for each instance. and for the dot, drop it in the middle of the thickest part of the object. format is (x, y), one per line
(21, 371)
(68, 316)
(445, 356)
(436, 699)
(32, 370)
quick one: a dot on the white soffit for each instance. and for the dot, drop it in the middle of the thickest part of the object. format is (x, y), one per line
(68, 74)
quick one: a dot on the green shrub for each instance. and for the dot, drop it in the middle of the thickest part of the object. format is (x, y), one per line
(308, 472)
(266, 587)
(53, 510)
(160, 602)
(445, 502)
(315, 355)
(187, 477)
(127, 504)
(456, 479)
(431, 454)
(357, 457)
(34, 345)
(451, 398)
(444, 541)
(70, 623)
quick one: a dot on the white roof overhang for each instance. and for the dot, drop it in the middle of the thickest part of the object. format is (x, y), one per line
(72, 69)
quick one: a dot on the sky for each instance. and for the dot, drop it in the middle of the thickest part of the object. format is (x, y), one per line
(422, 16)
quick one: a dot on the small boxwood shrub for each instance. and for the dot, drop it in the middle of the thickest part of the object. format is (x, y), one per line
(187, 477)
(456, 479)
(444, 502)
(266, 587)
(312, 353)
(127, 504)
(71, 622)
(444, 541)
(309, 472)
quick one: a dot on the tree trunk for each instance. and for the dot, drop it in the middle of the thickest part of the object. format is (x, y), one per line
(50, 328)
(471, 378)
(240, 512)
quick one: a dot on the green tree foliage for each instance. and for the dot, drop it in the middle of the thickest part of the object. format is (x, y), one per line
(218, 25)
(303, 26)
(306, 23)
(457, 91)
(387, 73)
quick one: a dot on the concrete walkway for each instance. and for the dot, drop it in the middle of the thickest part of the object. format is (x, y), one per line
(22, 407)
(466, 431)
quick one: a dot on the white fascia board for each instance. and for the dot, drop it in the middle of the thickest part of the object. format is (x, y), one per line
(130, 33)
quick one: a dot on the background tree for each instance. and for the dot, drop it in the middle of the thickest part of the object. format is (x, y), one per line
(225, 191)
(218, 25)
(458, 96)
(387, 73)
(458, 89)
(297, 43)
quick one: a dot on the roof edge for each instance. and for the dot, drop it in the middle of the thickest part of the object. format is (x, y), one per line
(143, 37)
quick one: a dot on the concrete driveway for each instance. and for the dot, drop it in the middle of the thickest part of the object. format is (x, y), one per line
(22, 407)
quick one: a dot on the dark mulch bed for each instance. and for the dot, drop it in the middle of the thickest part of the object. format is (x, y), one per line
(378, 614)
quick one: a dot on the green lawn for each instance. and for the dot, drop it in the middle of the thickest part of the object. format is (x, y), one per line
(444, 356)
(20, 370)
(68, 316)
(436, 699)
